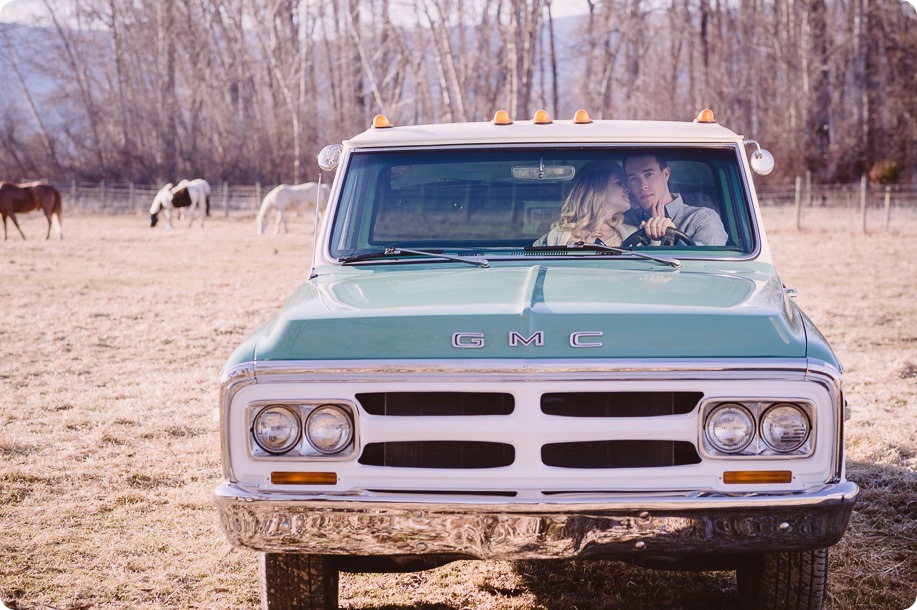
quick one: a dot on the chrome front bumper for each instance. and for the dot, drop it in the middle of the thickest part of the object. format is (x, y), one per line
(511, 531)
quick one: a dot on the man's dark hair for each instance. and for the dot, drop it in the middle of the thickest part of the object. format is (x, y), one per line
(658, 157)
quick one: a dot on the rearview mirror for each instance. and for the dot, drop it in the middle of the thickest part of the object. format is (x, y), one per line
(562, 173)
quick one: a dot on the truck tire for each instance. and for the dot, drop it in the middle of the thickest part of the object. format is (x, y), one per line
(784, 581)
(293, 581)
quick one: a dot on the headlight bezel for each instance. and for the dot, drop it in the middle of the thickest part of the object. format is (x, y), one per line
(758, 408)
(303, 449)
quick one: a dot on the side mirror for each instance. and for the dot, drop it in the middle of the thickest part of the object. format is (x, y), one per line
(762, 161)
(330, 156)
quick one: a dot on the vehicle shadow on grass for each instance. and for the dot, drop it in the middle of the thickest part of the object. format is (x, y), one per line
(605, 584)
(874, 563)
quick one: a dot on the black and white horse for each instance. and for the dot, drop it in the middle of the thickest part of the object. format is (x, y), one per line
(191, 194)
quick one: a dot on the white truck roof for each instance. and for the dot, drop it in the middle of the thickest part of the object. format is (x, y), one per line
(561, 131)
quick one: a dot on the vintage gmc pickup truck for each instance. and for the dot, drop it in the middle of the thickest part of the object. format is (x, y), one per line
(449, 383)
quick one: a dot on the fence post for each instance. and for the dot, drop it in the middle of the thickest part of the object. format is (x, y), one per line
(798, 202)
(808, 188)
(101, 195)
(863, 200)
(888, 202)
(225, 199)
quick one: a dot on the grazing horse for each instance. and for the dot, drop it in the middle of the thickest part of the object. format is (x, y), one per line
(286, 196)
(163, 199)
(22, 198)
(191, 194)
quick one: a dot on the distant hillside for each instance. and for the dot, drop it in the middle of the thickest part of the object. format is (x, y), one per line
(21, 41)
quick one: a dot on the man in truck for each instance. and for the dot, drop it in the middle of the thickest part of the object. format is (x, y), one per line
(658, 209)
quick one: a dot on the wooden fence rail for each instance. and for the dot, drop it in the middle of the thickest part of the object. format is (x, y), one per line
(856, 199)
(225, 198)
(130, 198)
(838, 195)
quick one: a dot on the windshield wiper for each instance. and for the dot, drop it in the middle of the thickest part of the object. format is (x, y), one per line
(600, 247)
(394, 252)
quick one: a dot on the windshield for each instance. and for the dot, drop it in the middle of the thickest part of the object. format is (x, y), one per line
(521, 201)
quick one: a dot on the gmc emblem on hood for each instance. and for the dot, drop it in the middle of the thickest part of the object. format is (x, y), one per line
(516, 339)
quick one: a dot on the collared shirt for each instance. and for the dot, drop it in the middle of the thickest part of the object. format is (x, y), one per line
(701, 224)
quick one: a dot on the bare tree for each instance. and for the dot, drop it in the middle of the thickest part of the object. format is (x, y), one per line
(521, 37)
(248, 90)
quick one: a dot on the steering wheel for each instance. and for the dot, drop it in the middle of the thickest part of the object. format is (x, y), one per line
(671, 237)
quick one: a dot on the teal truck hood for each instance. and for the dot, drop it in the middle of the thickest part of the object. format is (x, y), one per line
(575, 310)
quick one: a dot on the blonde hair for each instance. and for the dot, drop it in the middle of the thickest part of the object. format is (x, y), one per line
(583, 211)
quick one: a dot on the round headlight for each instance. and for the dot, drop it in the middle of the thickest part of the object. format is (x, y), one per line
(276, 429)
(329, 429)
(785, 427)
(730, 428)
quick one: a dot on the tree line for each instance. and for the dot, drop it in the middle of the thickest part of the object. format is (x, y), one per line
(247, 90)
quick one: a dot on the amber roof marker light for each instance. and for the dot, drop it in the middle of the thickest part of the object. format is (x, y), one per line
(581, 117)
(501, 117)
(542, 118)
(381, 122)
(705, 116)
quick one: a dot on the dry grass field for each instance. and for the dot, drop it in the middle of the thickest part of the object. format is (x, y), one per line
(111, 343)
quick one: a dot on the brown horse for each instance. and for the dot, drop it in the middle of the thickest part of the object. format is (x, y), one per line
(22, 198)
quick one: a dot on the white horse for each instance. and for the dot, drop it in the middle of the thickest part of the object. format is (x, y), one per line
(163, 199)
(191, 194)
(286, 196)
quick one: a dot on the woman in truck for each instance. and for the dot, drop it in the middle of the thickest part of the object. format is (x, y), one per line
(593, 211)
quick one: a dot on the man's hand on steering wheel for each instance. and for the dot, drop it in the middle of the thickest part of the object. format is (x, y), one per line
(670, 237)
(656, 226)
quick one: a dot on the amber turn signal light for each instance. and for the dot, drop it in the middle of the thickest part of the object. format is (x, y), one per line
(304, 478)
(757, 477)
